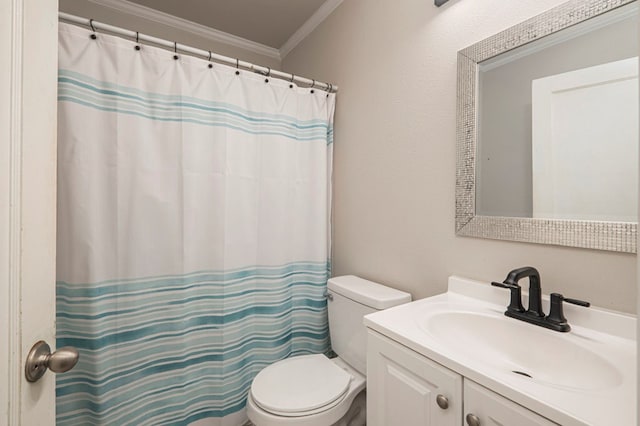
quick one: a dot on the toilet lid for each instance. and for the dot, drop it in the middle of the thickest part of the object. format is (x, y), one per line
(299, 384)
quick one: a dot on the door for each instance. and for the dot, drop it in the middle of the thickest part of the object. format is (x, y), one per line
(585, 124)
(405, 388)
(487, 408)
(28, 74)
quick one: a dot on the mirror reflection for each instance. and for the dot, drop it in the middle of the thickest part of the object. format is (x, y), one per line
(558, 124)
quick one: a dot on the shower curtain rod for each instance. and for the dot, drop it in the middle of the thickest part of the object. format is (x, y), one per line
(206, 54)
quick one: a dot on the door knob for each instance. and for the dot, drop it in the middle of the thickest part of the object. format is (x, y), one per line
(40, 358)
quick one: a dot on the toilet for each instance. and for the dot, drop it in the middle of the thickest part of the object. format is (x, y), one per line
(313, 390)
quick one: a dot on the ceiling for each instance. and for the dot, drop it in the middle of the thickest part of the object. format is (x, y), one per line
(269, 22)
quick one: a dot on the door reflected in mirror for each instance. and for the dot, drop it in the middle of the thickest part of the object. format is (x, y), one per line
(558, 124)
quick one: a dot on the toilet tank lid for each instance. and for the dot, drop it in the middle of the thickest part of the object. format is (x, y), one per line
(367, 292)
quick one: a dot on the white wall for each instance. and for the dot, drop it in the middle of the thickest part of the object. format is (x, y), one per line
(394, 169)
(637, 278)
(89, 9)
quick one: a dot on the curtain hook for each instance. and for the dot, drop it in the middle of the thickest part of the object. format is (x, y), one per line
(137, 41)
(313, 84)
(210, 64)
(237, 66)
(175, 50)
(268, 71)
(93, 36)
(293, 76)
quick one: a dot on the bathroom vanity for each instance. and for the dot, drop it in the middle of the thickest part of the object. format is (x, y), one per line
(455, 359)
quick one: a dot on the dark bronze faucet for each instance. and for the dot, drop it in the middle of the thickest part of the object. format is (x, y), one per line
(534, 315)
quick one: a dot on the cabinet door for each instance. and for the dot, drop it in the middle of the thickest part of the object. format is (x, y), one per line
(403, 387)
(495, 410)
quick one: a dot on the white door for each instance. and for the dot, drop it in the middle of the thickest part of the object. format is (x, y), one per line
(28, 74)
(585, 143)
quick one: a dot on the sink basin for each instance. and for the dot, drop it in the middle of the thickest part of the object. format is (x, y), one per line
(584, 377)
(515, 347)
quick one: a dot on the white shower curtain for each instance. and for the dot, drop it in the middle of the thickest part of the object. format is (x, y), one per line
(193, 231)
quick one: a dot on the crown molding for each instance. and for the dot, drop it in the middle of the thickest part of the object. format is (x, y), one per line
(150, 14)
(311, 24)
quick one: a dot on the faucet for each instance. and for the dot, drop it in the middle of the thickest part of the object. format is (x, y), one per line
(535, 292)
(534, 314)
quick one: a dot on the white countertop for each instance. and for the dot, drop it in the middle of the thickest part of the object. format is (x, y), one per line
(608, 334)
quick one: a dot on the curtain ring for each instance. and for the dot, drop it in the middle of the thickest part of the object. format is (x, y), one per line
(93, 36)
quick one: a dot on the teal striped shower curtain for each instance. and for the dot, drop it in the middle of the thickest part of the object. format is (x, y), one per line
(193, 231)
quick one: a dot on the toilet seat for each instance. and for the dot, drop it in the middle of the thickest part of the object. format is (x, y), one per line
(300, 386)
(327, 415)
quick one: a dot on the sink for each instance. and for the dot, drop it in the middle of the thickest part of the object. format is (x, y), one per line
(584, 377)
(514, 347)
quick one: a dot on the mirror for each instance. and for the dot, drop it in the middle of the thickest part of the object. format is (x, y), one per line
(548, 129)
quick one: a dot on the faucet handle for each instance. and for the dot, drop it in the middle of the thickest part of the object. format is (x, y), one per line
(556, 312)
(576, 301)
(515, 303)
(510, 286)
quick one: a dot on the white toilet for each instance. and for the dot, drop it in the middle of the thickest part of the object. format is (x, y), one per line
(313, 390)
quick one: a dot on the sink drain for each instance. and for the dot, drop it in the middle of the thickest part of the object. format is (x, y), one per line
(522, 373)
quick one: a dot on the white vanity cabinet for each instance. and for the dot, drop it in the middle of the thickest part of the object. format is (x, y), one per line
(406, 388)
(491, 409)
(403, 387)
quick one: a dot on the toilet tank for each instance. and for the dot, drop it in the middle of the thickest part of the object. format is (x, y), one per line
(350, 299)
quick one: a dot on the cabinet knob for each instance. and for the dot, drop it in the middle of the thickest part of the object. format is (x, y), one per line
(442, 401)
(473, 420)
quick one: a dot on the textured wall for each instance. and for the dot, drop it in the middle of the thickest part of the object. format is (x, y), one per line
(107, 15)
(394, 169)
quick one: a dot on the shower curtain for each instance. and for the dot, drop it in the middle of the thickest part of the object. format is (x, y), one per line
(193, 231)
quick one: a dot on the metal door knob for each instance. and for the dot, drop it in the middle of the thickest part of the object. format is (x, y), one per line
(473, 420)
(442, 401)
(40, 358)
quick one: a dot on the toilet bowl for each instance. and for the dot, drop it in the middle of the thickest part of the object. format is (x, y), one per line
(307, 390)
(314, 390)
